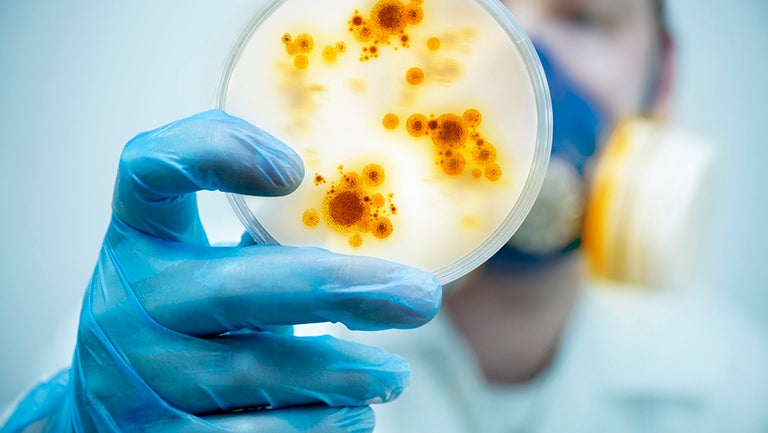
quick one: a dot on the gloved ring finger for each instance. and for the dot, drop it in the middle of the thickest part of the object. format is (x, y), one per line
(269, 370)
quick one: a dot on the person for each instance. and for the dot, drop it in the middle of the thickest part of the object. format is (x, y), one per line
(175, 335)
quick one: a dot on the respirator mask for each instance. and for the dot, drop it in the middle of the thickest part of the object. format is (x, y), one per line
(637, 203)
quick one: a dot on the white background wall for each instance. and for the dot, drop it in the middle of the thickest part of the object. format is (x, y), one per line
(721, 93)
(80, 78)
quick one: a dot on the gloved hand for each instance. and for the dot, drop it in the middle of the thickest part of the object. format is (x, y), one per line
(155, 351)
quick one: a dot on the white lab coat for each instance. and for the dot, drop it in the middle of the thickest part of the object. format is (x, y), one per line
(628, 362)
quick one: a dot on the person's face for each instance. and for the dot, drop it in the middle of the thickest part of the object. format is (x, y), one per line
(612, 49)
(606, 60)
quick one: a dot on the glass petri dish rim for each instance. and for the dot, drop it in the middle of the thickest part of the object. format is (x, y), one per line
(499, 237)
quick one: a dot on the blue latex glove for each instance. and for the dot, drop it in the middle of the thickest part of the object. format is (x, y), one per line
(155, 351)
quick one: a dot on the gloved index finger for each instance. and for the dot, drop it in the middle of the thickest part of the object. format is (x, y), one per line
(210, 151)
(225, 289)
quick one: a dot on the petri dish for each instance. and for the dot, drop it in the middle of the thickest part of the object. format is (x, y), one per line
(424, 126)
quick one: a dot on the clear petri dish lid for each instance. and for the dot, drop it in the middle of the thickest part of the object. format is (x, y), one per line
(424, 125)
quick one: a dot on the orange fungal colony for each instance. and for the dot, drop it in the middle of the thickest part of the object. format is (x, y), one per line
(353, 207)
(414, 76)
(329, 53)
(390, 121)
(433, 44)
(458, 143)
(472, 117)
(373, 175)
(311, 218)
(301, 62)
(387, 20)
(417, 125)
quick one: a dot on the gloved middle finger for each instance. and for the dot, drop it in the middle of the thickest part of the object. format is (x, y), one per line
(207, 291)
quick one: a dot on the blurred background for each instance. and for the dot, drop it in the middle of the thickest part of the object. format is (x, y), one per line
(80, 78)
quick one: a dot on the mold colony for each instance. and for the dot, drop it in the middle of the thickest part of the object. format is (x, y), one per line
(414, 76)
(390, 121)
(353, 206)
(433, 44)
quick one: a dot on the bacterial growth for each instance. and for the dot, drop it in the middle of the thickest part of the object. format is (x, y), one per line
(355, 203)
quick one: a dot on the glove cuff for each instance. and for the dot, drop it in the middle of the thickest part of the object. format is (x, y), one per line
(43, 409)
